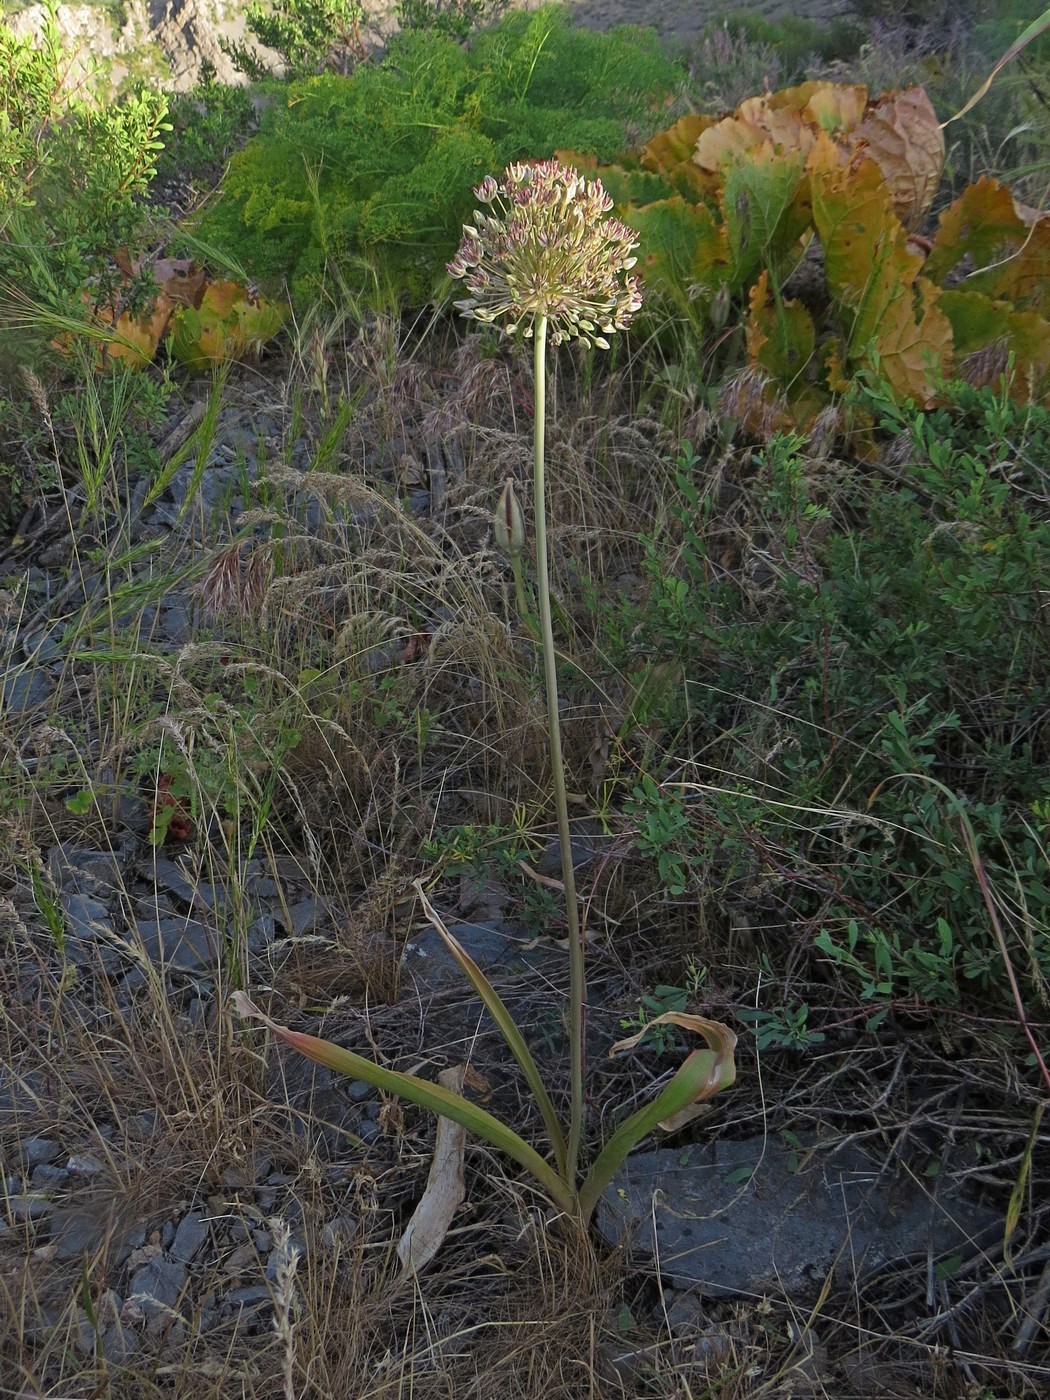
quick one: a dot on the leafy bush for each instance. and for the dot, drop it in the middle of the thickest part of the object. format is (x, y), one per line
(382, 165)
(71, 172)
(306, 35)
(207, 124)
(853, 637)
(730, 213)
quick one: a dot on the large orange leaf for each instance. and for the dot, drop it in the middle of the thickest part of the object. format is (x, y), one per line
(982, 227)
(670, 154)
(903, 137)
(836, 107)
(891, 321)
(229, 324)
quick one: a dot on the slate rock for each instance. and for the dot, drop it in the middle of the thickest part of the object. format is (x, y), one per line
(493, 946)
(88, 871)
(181, 942)
(45, 1177)
(87, 918)
(27, 1206)
(171, 876)
(305, 916)
(190, 1237)
(758, 1217)
(24, 690)
(157, 1287)
(248, 1299)
(37, 1151)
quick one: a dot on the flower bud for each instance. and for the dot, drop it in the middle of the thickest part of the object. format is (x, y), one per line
(720, 304)
(508, 524)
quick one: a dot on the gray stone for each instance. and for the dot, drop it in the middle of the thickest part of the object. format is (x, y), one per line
(82, 1164)
(75, 868)
(24, 690)
(42, 646)
(87, 918)
(37, 1150)
(181, 943)
(48, 1178)
(190, 1237)
(261, 934)
(305, 916)
(157, 1287)
(757, 1217)
(119, 1343)
(249, 1298)
(589, 842)
(491, 945)
(77, 1232)
(171, 876)
(27, 1206)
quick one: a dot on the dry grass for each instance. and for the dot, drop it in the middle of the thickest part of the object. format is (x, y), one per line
(353, 682)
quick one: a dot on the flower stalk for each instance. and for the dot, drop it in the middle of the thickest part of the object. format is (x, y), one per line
(548, 265)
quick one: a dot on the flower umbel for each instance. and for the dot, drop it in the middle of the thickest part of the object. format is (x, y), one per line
(547, 249)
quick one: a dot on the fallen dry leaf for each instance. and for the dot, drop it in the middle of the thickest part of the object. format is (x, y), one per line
(445, 1188)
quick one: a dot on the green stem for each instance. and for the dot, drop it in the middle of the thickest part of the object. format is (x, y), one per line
(577, 969)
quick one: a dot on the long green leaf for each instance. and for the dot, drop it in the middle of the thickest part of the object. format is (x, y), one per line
(507, 1028)
(1037, 27)
(703, 1075)
(423, 1092)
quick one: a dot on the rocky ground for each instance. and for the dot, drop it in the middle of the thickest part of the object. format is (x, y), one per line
(167, 40)
(156, 1185)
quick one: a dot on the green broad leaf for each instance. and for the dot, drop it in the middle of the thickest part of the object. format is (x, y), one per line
(507, 1027)
(740, 1176)
(764, 217)
(682, 246)
(985, 330)
(423, 1092)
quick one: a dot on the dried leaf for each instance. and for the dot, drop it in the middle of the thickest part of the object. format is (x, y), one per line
(902, 135)
(721, 1072)
(445, 1188)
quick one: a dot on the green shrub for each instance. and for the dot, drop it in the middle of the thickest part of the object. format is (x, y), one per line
(72, 173)
(877, 630)
(207, 124)
(306, 35)
(382, 165)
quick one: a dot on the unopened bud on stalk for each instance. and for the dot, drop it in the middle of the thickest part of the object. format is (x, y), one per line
(720, 304)
(508, 524)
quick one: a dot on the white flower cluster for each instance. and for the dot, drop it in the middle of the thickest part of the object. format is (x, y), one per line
(547, 249)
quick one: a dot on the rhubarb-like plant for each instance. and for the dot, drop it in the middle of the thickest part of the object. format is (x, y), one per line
(547, 263)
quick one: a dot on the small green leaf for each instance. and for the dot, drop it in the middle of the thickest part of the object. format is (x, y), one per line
(738, 1177)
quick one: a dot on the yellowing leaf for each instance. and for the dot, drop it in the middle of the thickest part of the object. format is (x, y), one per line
(681, 245)
(903, 137)
(781, 336)
(669, 154)
(891, 320)
(981, 226)
(764, 217)
(227, 325)
(837, 107)
(987, 332)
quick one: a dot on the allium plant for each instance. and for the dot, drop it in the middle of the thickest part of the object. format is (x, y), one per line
(546, 263)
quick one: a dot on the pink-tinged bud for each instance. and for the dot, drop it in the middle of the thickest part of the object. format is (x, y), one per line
(508, 524)
(720, 304)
